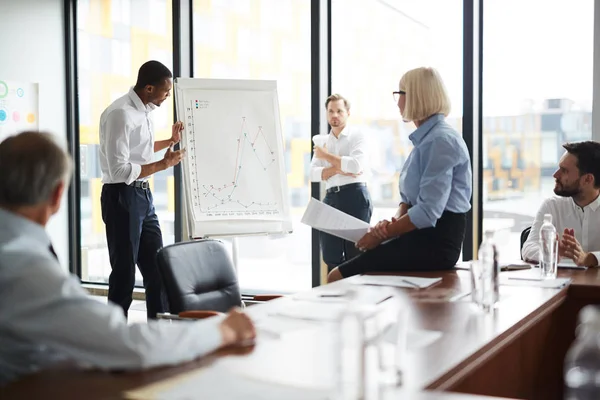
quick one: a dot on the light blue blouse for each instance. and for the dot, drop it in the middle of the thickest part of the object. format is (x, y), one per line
(436, 176)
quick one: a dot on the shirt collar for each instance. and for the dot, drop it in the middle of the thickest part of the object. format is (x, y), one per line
(344, 132)
(594, 205)
(138, 102)
(419, 134)
(24, 227)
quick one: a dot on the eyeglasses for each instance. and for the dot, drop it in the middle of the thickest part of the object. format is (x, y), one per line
(397, 95)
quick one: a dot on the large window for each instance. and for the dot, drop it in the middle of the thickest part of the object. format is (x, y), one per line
(267, 39)
(373, 43)
(537, 95)
(115, 37)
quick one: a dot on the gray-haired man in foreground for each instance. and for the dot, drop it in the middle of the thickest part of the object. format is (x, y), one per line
(46, 316)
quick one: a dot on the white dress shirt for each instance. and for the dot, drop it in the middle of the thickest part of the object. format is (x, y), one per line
(126, 139)
(351, 146)
(567, 215)
(46, 316)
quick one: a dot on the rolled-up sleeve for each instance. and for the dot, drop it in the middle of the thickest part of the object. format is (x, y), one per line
(437, 164)
(116, 131)
(354, 161)
(597, 255)
(531, 247)
(316, 169)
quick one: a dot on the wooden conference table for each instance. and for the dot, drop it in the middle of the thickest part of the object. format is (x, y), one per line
(515, 352)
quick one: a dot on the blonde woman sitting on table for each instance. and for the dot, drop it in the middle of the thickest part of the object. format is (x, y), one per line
(428, 229)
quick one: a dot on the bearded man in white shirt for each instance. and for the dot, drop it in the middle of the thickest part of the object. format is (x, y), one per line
(46, 317)
(576, 210)
(127, 148)
(341, 163)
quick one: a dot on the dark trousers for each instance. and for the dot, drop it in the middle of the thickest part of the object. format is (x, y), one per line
(428, 249)
(134, 237)
(356, 201)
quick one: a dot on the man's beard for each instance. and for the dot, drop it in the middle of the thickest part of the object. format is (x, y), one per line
(570, 191)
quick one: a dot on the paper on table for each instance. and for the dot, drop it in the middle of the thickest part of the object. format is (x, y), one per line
(416, 338)
(333, 221)
(290, 361)
(568, 263)
(313, 311)
(394, 280)
(220, 383)
(366, 296)
(533, 282)
(277, 327)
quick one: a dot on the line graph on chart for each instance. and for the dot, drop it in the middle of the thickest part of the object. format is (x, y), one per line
(225, 193)
(235, 186)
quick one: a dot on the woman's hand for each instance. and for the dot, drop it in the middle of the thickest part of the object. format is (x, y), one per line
(381, 231)
(368, 242)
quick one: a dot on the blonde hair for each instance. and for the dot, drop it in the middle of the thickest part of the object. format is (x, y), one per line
(336, 97)
(426, 94)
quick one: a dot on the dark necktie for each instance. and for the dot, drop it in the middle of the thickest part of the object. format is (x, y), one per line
(53, 252)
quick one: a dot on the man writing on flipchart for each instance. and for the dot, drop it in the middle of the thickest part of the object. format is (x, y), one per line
(341, 162)
(127, 149)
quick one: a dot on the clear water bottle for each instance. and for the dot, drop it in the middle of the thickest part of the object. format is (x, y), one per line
(490, 272)
(582, 363)
(350, 353)
(548, 248)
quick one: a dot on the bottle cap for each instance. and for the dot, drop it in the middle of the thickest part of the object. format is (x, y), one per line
(548, 218)
(589, 314)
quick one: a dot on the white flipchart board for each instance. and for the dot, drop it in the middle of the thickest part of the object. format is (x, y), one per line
(234, 178)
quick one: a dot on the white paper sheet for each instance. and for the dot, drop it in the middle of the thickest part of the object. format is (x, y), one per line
(290, 361)
(416, 338)
(534, 282)
(569, 264)
(313, 311)
(327, 219)
(394, 280)
(372, 296)
(275, 328)
(220, 383)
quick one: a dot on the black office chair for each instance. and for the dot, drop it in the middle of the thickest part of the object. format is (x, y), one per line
(524, 236)
(199, 275)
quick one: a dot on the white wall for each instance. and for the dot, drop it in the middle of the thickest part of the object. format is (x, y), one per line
(32, 50)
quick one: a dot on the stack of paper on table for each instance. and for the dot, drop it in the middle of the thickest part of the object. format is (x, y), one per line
(327, 219)
(412, 282)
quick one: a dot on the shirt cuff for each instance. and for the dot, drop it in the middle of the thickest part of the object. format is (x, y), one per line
(136, 170)
(419, 218)
(316, 174)
(597, 255)
(209, 335)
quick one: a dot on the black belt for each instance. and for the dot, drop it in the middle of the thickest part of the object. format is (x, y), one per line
(337, 189)
(141, 184)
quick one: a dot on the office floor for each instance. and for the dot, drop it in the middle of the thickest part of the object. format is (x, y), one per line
(137, 311)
